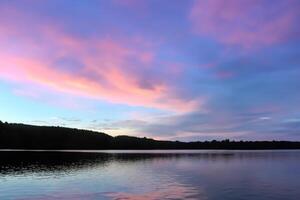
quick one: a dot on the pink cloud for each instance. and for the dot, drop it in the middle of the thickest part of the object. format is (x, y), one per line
(247, 23)
(111, 69)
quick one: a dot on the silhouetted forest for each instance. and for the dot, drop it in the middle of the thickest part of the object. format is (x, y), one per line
(20, 136)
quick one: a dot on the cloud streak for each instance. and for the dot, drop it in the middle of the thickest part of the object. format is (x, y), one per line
(246, 23)
(114, 70)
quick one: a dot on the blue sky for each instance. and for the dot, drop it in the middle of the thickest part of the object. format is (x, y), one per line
(178, 70)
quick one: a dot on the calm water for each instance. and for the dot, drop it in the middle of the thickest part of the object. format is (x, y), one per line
(149, 175)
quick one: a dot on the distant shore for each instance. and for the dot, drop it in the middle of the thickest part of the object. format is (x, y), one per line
(29, 137)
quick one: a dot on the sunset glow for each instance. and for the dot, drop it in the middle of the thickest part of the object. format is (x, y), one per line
(177, 70)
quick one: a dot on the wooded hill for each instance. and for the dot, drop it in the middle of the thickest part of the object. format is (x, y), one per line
(21, 136)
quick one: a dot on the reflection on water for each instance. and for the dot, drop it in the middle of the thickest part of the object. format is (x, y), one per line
(172, 191)
(150, 175)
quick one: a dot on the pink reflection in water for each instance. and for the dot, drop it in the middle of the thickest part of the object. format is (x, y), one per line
(175, 191)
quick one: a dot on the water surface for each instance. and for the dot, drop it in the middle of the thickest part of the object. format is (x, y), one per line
(150, 175)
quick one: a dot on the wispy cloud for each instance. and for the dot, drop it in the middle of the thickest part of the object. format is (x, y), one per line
(246, 23)
(111, 69)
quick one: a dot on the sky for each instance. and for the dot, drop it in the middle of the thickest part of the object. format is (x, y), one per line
(173, 70)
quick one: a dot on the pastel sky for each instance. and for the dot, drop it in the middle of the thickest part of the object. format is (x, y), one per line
(174, 69)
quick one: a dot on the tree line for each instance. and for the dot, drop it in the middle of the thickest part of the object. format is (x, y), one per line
(21, 136)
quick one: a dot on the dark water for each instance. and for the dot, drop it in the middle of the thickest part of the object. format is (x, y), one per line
(144, 175)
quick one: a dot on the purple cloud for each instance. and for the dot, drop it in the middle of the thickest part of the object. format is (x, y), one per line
(246, 23)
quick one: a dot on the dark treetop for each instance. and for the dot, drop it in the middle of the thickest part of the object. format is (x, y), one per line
(20, 136)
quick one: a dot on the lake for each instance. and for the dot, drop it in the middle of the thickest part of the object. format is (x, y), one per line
(150, 175)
